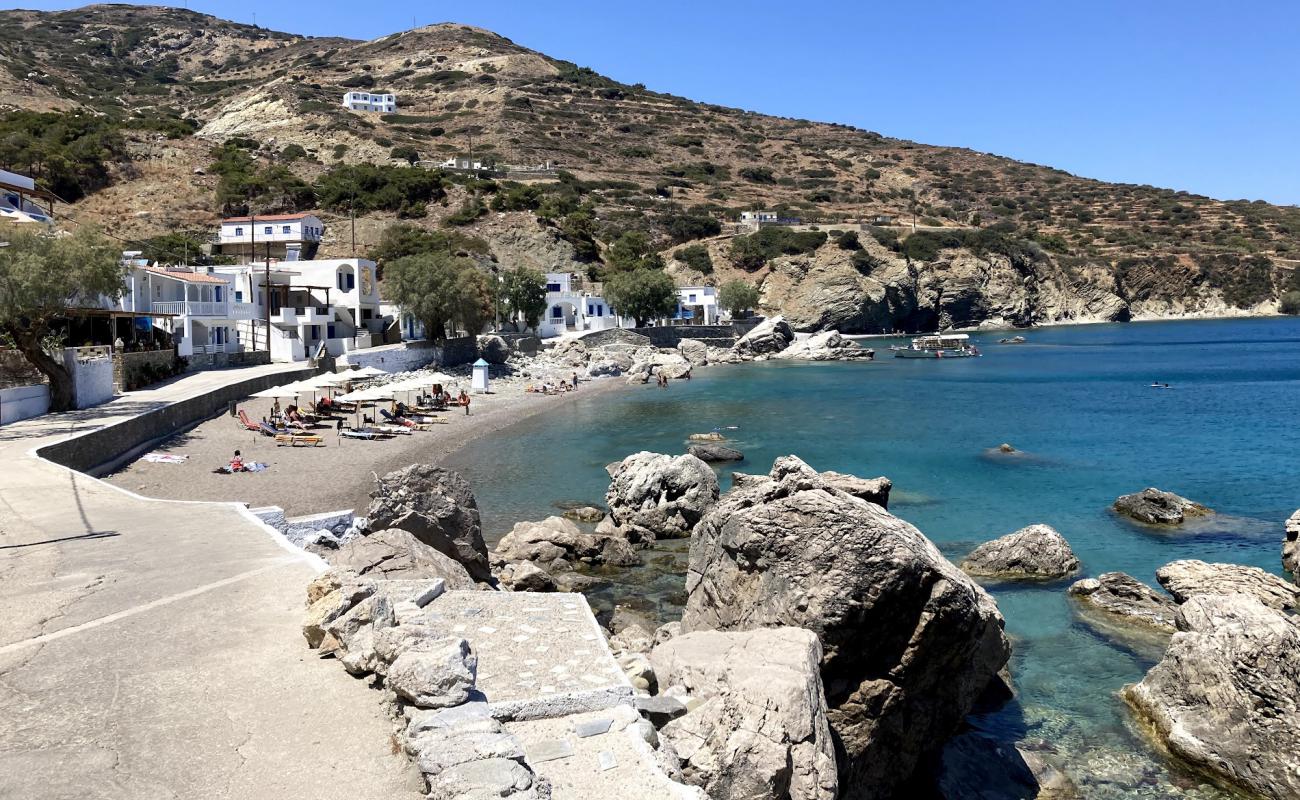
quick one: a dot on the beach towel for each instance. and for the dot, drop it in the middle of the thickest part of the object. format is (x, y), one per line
(252, 466)
(164, 458)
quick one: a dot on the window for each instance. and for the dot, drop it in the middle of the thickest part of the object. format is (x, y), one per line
(690, 298)
(267, 230)
(216, 294)
(557, 312)
(591, 310)
(239, 297)
(352, 281)
(284, 229)
(330, 328)
(552, 287)
(239, 231)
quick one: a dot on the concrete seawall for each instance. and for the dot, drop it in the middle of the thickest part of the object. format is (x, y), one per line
(108, 448)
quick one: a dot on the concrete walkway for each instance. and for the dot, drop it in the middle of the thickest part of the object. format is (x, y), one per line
(151, 648)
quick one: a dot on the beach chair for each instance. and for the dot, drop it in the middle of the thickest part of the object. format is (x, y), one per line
(266, 430)
(295, 439)
(403, 421)
(247, 423)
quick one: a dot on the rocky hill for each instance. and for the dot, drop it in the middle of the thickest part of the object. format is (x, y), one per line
(963, 237)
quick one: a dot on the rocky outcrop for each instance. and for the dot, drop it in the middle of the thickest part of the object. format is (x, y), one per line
(1224, 699)
(909, 641)
(397, 554)
(768, 337)
(825, 346)
(713, 452)
(1035, 553)
(525, 576)
(556, 544)
(493, 349)
(1126, 599)
(694, 351)
(873, 490)
(756, 725)
(1156, 507)
(1291, 547)
(437, 506)
(652, 495)
(1187, 578)
(663, 362)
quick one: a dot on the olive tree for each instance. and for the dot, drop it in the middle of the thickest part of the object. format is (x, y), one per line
(441, 290)
(41, 277)
(524, 291)
(642, 294)
(738, 297)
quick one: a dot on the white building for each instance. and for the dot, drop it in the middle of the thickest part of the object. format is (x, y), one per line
(18, 195)
(369, 101)
(758, 217)
(286, 237)
(697, 305)
(196, 307)
(330, 305)
(463, 163)
(571, 307)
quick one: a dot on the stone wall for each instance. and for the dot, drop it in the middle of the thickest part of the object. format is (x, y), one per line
(414, 355)
(104, 450)
(244, 358)
(615, 336)
(136, 370)
(672, 335)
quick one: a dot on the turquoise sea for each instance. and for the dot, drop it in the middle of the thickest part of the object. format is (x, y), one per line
(1076, 400)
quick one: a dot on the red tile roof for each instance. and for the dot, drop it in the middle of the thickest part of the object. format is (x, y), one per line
(267, 218)
(188, 277)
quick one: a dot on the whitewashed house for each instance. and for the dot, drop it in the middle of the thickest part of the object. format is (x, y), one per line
(330, 306)
(284, 237)
(697, 305)
(196, 307)
(370, 101)
(571, 307)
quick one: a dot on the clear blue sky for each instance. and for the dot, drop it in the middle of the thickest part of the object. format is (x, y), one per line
(1195, 95)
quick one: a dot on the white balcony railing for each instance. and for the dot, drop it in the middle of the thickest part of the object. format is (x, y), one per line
(208, 349)
(243, 311)
(192, 308)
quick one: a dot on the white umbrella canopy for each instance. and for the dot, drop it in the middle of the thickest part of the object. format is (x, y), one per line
(327, 379)
(366, 395)
(364, 372)
(278, 392)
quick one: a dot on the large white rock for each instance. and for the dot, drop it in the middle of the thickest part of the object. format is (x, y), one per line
(652, 495)
(769, 336)
(1225, 697)
(757, 726)
(434, 673)
(1035, 552)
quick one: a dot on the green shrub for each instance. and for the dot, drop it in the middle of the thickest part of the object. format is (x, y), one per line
(1290, 303)
(758, 175)
(358, 82)
(69, 154)
(753, 251)
(685, 227)
(373, 187)
(406, 153)
(468, 212)
(695, 256)
(849, 241)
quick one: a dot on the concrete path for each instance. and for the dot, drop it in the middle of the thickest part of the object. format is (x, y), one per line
(151, 648)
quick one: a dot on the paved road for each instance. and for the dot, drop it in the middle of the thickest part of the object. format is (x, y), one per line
(150, 648)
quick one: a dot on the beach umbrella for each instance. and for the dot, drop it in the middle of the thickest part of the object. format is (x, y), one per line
(278, 392)
(364, 372)
(327, 379)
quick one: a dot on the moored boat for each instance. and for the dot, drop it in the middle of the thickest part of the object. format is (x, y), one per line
(938, 345)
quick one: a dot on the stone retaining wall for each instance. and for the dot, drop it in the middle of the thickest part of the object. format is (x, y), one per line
(414, 355)
(672, 335)
(106, 449)
(136, 370)
(244, 358)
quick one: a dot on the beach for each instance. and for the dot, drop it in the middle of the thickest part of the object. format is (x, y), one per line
(338, 475)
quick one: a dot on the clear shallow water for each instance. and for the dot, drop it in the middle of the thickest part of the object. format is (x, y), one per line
(1076, 400)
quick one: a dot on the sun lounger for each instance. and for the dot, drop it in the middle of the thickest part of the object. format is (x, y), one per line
(393, 429)
(247, 423)
(351, 433)
(267, 430)
(392, 420)
(295, 439)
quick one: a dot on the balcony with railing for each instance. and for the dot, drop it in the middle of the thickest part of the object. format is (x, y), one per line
(193, 308)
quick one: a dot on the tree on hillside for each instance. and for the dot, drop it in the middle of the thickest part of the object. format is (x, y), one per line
(524, 291)
(642, 294)
(738, 297)
(632, 251)
(42, 276)
(405, 239)
(441, 290)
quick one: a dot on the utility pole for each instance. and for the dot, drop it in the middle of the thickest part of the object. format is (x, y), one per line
(352, 218)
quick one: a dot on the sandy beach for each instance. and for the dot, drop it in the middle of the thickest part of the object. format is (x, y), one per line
(338, 475)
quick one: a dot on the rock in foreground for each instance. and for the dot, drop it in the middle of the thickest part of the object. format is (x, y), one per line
(397, 555)
(1187, 578)
(438, 508)
(1291, 547)
(757, 728)
(1035, 553)
(652, 495)
(1155, 507)
(1224, 698)
(909, 642)
(1127, 600)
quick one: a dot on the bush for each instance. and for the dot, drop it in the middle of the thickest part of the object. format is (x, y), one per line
(849, 241)
(685, 227)
(753, 251)
(1290, 303)
(758, 175)
(695, 256)
(469, 211)
(406, 153)
(292, 153)
(738, 297)
(632, 251)
(374, 187)
(358, 82)
(67, 153)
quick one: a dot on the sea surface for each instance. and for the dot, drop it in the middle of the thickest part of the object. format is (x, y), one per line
(1078, 403)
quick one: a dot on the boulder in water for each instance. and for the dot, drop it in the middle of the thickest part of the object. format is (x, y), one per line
(1223, 698)
(1188, 578)
(767, 337)
(824, 346)
(1156, 507)
(1126, 599)
(1034, 553)
(437, 506)
(556, 543)
(652, 495)
(909, 642)
(713, 452)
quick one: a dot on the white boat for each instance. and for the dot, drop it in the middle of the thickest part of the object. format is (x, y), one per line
(938, 345)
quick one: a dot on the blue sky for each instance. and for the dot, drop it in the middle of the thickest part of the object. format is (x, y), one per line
(1191, 95)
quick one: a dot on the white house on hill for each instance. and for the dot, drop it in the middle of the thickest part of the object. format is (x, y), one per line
(368, 101)
(286, 237)
(697, 305)
(570, 307)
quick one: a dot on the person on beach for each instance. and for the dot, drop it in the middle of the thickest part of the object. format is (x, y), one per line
(464, 401)
(575, 380)
(237, 463)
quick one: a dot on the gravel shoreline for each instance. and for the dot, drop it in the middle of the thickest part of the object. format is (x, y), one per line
(336, 476)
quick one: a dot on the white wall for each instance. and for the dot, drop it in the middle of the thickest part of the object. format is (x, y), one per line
(23, 402)
(393, 358)
(92, 378)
